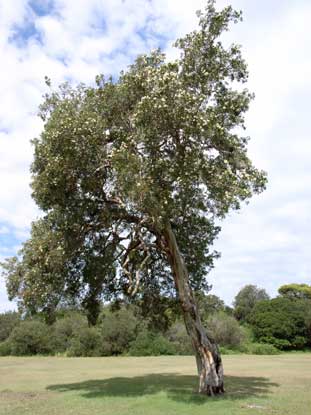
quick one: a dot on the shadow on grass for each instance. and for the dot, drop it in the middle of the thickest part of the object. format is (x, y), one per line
(178, 387)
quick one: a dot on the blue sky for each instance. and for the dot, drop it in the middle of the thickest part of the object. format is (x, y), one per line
(268, 242)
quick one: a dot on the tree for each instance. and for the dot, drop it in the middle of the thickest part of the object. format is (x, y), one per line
(246, 299)
(134, 172)
(302, 291)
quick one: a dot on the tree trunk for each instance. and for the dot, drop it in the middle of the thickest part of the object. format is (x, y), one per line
(209, 364)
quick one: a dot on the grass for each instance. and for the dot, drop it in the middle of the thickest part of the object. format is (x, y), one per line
(277, 385)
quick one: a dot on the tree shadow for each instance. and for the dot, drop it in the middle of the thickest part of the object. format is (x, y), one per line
(178, 387)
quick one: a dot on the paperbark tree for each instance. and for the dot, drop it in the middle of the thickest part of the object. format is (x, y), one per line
(133, 173)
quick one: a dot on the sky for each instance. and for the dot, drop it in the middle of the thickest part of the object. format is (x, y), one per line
(266, 243)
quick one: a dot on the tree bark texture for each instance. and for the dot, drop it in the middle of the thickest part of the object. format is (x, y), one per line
(208, 359)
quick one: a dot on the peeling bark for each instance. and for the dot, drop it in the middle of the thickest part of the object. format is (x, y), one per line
(208, 359)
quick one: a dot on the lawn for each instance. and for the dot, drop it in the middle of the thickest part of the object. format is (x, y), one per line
(276, 385)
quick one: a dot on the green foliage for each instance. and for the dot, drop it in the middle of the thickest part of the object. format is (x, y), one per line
(262, 348)
(86, 342)
(178, 337)
(37, 281)
(5, 348)
(150, 344)
(65, 329)
(281, 322)
(225, 330)
(247, 333)
(158, 311)
(308, 323)
(119, 162)
(209, 304)
(8, 321)
(118, 329)
(29, 338)
(246, 299)
(226, 350)
(295, 291)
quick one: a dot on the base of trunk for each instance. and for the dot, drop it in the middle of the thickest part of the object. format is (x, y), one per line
(208, 390)
(210, 370)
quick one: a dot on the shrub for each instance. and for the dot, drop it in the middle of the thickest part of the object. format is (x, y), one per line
(226, 350)
(85, 343)
(262, 349)
(308, 321)
(5, 348)
(178, 337)
(29, 338)
(299, 342)
(281, 322)
(118, 329)
(225, 330)
(8, 321)
(151, 344)
(66, 329)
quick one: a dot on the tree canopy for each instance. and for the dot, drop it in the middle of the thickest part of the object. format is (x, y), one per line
(246, 299)
(296, 291)
(118, 161)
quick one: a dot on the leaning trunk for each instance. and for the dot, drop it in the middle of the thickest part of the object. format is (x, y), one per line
(209, 364)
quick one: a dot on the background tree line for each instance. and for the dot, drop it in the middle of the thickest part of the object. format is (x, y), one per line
(255, 324)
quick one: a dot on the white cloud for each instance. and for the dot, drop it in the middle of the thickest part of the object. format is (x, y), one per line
(268, 242)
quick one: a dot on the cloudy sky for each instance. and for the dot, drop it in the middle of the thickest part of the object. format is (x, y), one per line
(268, 242)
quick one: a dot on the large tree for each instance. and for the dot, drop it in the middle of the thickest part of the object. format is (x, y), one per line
(133, 173)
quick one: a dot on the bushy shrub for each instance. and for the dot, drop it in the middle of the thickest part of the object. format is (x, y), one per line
(225, 330)
(308, 322)
(85, 343)
(262, 349)
(179, 338)
(8, 321)
(281, 322)
(29, 338)
(151, 344)
(65, 329)
(226, 350)
(5, 348)
(118, 329)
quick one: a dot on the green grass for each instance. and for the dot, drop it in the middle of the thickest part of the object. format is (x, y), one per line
(275, 385)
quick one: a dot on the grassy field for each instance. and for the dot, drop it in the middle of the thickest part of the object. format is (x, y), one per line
(154, 385)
